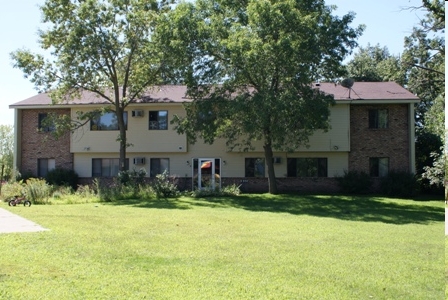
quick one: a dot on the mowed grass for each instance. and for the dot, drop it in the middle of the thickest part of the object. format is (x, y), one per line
(246, 247)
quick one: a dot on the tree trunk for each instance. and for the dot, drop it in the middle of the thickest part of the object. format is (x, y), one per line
(122, 138)
(268, 155)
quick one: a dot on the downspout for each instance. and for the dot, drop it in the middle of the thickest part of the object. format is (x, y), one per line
(411, 139)
(349, 133)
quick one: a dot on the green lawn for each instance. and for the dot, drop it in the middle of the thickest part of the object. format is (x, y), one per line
(246, 247)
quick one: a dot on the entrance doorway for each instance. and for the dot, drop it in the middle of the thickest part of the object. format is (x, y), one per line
(206, 173)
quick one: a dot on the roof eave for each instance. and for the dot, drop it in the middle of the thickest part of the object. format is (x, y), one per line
(377, 101)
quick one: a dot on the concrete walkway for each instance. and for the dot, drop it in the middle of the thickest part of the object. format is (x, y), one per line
(10, 223)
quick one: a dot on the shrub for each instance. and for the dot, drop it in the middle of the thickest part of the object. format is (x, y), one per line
(61, 191)
(85, 191)
(37, 190)
(355, 182)
(399, 184)
(229, 190)
(133, 178)
(163, 187)
(62, 177)
(12, 189)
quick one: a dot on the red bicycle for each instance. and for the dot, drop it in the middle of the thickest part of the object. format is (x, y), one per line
(19, 200)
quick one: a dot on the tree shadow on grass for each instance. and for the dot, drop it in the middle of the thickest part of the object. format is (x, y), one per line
(363, 208)
(356, 208)
(152, 203)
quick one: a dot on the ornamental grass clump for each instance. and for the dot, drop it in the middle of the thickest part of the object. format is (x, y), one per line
(37, 190)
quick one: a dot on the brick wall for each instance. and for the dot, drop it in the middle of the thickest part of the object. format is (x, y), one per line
(392, 142)
(36, 145)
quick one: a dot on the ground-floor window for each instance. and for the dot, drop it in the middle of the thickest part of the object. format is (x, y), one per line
(379, 166)
(307, 167)
(44, 165)
(158, 166)
(107, 167)
(254, 167)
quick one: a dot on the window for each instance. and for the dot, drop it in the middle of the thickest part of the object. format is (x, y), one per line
(254, 167)
(379, 166)
(307, 167)
(44, 165)
(158, 166)
(107, 167)
(378, 118)
(158, 120)
(108, 121)
(45, 125)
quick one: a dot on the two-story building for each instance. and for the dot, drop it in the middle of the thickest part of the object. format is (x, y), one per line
(372, 130)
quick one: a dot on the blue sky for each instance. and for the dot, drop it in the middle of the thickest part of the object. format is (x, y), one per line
(386, 20)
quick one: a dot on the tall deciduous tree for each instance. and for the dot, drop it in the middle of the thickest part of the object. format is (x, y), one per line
(249, 66)
(104, 47)
(424, 59)
(375, 63)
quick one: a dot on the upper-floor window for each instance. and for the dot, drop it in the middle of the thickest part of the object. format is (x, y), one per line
(158, 119)
(44, 123)
(307, 167)
(379, 166)
(44, 165)
(158, 166)
(107, 167)
(254, 167)
(378, 118)
(108, 121)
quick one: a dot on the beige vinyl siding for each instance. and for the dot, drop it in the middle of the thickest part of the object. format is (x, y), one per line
(337, 137)
(83, 162)
(234, 167)
(87, 144)
(138, 135)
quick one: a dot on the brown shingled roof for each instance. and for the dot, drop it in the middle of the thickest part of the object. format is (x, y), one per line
(165, 93)
(367, 91)
(177, 94)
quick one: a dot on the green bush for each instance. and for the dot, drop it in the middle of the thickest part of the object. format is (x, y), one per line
(229, 190)
(399, 184)
(355, 182)
(37, 190)
(133, 178)
(62, 177)
(164, 187)
(12, 189)
(115, 191)
(85, 191)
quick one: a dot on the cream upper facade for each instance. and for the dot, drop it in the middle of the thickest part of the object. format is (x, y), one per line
(350, 144)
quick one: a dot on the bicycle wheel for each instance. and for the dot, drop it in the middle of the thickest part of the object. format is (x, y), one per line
(12, 202)
(27, 203)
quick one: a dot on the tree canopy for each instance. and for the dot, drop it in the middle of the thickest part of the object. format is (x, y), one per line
(424, 60)
(249, 66)
(104, 47)
(375, 63)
